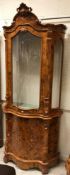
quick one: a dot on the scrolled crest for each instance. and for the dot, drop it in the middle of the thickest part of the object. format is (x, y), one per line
(23, 8)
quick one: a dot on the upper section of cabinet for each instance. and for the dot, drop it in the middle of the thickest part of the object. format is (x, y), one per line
(34, 54)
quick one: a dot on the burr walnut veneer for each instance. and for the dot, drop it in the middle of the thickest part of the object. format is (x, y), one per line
(34, 54)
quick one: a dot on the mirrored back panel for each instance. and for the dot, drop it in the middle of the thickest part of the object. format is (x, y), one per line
(26, 49)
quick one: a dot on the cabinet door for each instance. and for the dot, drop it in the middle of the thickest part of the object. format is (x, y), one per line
(26, 49)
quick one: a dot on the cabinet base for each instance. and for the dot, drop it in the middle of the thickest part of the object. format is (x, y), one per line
(30, 164)
(32, 143)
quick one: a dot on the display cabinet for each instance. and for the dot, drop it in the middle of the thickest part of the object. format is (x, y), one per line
(34, 54)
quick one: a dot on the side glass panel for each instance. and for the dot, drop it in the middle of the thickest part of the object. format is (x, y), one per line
(26, 49)
(56, 73)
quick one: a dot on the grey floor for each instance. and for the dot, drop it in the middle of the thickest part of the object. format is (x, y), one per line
(58, 170)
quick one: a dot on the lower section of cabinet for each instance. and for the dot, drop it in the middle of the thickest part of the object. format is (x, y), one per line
(32, 142)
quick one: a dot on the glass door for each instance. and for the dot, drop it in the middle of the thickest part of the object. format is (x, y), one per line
(26, 49)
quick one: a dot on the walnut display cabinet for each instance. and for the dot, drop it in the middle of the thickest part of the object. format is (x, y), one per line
(34, 54)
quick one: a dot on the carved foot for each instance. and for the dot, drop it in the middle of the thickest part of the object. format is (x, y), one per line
(44, 169)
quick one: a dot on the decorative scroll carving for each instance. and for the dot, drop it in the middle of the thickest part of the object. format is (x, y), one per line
(23, 8)
(24, 11)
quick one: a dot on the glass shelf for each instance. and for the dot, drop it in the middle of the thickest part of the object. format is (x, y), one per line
(26, 106)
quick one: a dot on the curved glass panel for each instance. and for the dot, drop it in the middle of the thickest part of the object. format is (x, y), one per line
(26, 50)
(56, 73)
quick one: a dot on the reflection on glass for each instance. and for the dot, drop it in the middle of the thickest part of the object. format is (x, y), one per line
(26, 70)
(56, 73)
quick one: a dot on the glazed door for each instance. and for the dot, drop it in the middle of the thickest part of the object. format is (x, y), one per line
(26, 60)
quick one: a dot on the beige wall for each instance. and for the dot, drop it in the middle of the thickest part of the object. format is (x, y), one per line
(64, 143)
(44, 9)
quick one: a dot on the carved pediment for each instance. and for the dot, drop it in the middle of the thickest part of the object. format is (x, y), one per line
(25, 12)
(24, 16)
